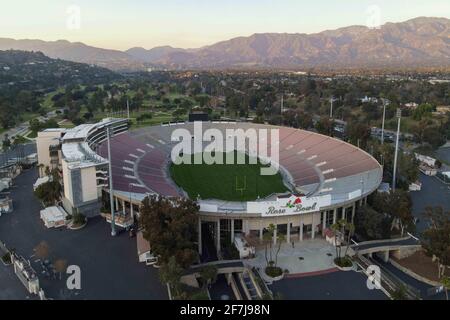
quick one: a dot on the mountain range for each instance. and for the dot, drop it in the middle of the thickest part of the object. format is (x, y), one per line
(419, 42)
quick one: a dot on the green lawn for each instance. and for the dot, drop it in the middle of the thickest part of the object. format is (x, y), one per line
(231, 182)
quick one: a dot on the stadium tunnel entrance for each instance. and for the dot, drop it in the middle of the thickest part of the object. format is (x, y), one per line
(208, 239)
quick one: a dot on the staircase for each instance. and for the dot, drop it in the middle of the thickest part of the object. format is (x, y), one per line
(250, 286)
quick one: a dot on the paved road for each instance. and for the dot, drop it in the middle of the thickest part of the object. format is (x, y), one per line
(109, 266)
(24, 127)
(220, 289)
(21, 129)
(444, 153)
(433, 193)
(332, 286)
(422, 287)
(22, 150)
(393, 243)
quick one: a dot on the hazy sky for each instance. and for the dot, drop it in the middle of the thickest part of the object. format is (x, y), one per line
(121, 24)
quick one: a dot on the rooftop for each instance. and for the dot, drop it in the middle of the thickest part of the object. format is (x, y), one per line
(75, 147)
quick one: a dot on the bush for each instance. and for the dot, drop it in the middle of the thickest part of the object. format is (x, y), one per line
(201, 295)
(6, 258)
(274, 271)
(344, 262)
(143, 117)
(79, 219)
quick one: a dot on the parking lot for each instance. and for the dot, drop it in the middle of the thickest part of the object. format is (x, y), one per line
(109, 266)
(434, 193)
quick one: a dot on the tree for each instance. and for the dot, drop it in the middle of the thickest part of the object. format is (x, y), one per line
(50, 192)
(202, 100)
(371, 224)
(297, 119)
(343, 231)
(358, 133)
(396, 204)
(436, 239)
(209, 275)
(170, 225)
(280, 239)
(434, 136)
(325, 126)
(424, 110)
(268, 239)
(446, 284)
(42, 250)
(78, 219)
(399, 293)
(60, 266)
(171, 273)
(408, 168)
(6, 142)
(268, 242)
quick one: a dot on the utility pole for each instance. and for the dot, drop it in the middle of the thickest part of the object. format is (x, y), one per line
(382, 125)
(394, 176)
(111, 195)
(128, 110)
(331, 108)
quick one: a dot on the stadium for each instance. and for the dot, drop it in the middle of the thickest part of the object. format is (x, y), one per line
(320, 179)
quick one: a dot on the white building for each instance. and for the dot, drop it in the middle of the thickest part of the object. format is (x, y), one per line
(245, 250)
(48, 149)
(431, 162)
(54, 217)
(144, 250)
(6, 205)
(84, 173)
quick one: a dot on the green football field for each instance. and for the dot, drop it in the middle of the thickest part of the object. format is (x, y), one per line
(231, 182)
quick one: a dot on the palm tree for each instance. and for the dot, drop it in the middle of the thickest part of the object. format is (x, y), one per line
(208, 275)
(268, 241)
(336, 229)
(446, 284)
(280, 239)
(350, 228)
(343, 231)
(60, 266)
(399, 293)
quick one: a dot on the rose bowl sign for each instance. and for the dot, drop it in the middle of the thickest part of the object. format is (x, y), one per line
(289, 206)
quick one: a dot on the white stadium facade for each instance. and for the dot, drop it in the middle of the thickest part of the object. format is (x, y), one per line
(329, 178)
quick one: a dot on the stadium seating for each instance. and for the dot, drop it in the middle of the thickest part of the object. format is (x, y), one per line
(141, 157)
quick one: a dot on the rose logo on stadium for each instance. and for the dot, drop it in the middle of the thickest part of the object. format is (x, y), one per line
(292, 204)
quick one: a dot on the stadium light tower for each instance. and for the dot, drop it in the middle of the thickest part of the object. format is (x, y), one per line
(382, 124)
(394, 176)
(331, 107)
(111, 195)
